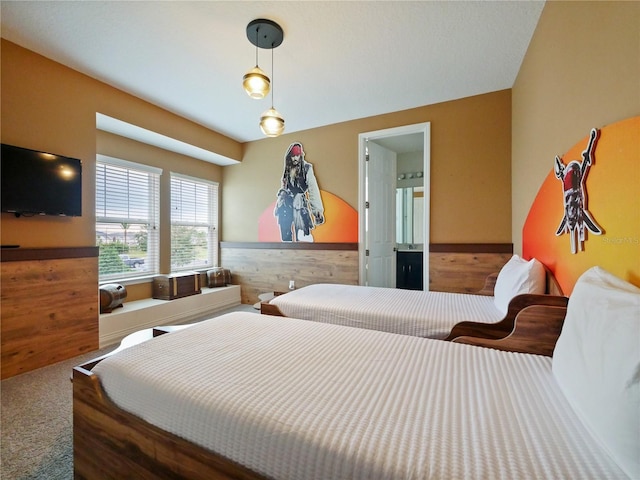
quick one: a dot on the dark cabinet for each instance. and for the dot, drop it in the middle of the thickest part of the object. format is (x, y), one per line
(409, 270)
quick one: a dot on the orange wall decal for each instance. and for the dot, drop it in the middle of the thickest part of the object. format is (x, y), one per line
(613, 192)
(340, 226)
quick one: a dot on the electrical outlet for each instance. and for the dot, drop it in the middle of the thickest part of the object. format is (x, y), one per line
(292, 284)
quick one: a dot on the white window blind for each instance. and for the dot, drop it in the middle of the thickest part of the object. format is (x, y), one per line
(127, 218)
(194, 223)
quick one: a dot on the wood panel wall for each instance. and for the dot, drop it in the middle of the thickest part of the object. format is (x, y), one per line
(267, 267)
(463, 268)
(49, 309)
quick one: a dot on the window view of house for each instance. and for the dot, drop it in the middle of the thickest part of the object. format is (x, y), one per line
(127, 218)
(194, 223)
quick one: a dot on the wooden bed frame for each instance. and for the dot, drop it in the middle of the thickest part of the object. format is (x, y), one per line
(552, 289)
(111, 443)
(532, 325)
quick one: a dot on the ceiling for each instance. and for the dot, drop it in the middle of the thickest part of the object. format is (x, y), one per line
(339, 61)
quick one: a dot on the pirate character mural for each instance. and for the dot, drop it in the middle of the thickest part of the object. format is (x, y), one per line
(573, 176)
(613, 187)
(299, 207)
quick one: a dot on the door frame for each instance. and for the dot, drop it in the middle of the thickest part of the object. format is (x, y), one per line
(425, 129)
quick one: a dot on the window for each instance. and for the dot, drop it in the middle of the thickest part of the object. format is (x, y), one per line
(194, 223)
(127, 218)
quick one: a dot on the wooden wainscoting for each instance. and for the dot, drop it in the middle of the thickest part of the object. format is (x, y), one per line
(463, 268)
(267, 267)
(49, 306)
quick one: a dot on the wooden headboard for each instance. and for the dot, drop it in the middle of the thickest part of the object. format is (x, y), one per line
(552, 285)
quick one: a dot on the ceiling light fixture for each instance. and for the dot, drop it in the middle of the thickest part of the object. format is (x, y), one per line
(264, 34)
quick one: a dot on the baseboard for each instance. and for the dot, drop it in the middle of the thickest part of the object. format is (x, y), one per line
(148, 313)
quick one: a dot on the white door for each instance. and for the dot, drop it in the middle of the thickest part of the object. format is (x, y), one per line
(369, 268)
(381, 231)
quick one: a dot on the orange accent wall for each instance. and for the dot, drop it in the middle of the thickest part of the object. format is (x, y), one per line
(340, 226)
(613, 199)
(581, 70)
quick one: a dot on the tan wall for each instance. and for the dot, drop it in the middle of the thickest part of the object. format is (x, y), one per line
(470, 184)
(470, 169)
(47, 106)
(582, 70)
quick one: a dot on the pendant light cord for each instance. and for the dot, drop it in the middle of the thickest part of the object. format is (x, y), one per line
(273, 75)
(257, 30)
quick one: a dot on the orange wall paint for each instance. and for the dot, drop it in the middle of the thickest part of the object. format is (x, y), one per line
(341, 222)
(581, 70)
(613, 189)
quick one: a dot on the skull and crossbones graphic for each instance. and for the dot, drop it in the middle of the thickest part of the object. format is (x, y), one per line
(576, 218)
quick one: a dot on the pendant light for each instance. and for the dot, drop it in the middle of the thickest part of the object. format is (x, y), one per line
(271, 122)
(263, 34)
(255, 81)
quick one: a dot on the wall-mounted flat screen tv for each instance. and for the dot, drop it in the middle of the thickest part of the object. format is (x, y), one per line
(39, 183)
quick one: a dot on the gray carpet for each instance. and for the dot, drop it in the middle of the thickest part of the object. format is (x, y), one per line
(36, 420)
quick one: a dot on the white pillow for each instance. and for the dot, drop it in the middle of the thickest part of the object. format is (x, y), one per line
(597, 363)
(516, 277)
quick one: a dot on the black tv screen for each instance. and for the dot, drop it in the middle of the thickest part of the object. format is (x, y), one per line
(39, 183)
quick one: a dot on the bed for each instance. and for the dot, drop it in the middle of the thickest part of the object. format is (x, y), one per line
(418, 313)
(255, 396)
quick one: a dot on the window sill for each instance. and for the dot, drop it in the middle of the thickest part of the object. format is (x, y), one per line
(130, 280)
(150, 312)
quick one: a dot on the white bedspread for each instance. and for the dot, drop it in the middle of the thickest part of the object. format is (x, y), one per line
(409, 312)
(294, 399)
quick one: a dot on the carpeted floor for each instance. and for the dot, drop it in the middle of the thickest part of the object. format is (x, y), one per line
(37, 420)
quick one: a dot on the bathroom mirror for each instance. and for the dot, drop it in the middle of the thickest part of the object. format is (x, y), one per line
(410, 217)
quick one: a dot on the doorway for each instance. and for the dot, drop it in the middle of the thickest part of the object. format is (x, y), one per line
(381, 187)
